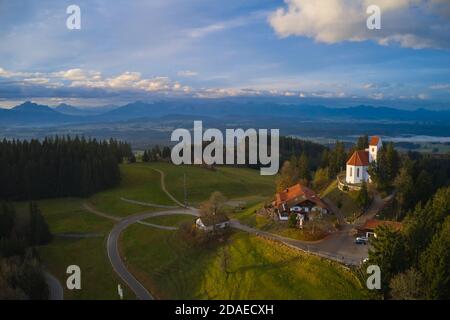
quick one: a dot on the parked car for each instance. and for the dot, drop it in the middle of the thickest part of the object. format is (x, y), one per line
(362, 240)
(296, 209)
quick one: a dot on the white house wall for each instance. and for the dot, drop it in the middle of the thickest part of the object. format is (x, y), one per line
(352, 171)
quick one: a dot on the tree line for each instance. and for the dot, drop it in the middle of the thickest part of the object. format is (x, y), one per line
(59, 167)
(156, 153)
(415, 261)
(310, 163)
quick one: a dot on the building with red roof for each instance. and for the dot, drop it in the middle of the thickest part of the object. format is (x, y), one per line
(298, 199)
(371, 225)
(358, 163)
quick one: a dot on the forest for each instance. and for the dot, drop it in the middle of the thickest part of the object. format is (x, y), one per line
(59, 167)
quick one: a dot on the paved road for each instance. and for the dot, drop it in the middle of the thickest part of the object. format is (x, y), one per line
(114, 255)
(55, 287)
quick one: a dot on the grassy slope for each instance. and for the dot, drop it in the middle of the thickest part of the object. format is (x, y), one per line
(171, 221)
(347, 200)
(246, 184)
(140, 183)
(98, 280)
(245, 267)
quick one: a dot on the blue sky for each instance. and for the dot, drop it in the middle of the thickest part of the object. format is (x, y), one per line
(129, 50)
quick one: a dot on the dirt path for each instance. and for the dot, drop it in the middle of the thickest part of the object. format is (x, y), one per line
(147, 204)
(163, 187)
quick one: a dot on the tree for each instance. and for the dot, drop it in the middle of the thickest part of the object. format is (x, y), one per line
(292, 222)
(213, 208)
(363, 142)
(166, 152)
(337, 160)
(388, 253)
(424, 189)
(409, 285)
(435, 264)
(320, 178)
(363, 198)
(7, 218)
(404, 185)
(392, 161)
(288, 176)
(304, 173)
(39, 232)
(145, 157)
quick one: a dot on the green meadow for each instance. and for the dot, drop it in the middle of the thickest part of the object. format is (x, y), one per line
(88, 250)
(243, 267)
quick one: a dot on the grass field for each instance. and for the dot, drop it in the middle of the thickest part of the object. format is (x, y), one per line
(345, 201)
(98, 280)
(234, 183)
(140, 183)
(171, 221)
(244, 267)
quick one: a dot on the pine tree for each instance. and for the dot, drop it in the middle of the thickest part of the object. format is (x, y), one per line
(435, 264)
(145, 157)
(304, 173)
(363, 198)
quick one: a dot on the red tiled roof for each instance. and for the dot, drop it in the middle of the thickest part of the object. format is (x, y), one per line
(372, 224)
(298, 193)
(359, 158)
(374, 141)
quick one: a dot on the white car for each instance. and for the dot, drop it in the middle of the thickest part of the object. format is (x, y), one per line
(296, 209)
(362, 240)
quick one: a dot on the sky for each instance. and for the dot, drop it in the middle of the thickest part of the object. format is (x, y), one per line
(143, 50)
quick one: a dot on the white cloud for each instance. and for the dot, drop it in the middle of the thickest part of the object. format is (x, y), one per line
(441, 86)
(409, 23)
(78, 75)
(4, 73)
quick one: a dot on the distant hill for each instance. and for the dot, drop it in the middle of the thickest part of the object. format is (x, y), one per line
(255, 110)
(31, 114)
(76, 111)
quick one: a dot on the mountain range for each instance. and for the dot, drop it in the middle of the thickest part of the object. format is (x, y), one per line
(32, 114)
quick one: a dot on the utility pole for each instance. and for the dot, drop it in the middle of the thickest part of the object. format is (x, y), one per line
(185, 192)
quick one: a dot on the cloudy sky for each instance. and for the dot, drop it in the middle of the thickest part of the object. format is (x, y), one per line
(129, 50)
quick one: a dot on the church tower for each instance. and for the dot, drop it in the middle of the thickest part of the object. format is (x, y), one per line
(375, 145)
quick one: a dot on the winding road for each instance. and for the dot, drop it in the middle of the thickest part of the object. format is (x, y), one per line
(114, 254)
(56, 291)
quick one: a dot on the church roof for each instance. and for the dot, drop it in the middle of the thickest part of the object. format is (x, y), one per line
(374, 141)
(359, 158)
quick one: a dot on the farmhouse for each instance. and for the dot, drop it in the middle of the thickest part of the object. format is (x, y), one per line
(368, 229)
(357, 165)
(209, 223)
(298, 199)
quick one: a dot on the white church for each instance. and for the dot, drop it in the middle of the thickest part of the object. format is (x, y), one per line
(358, 163)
